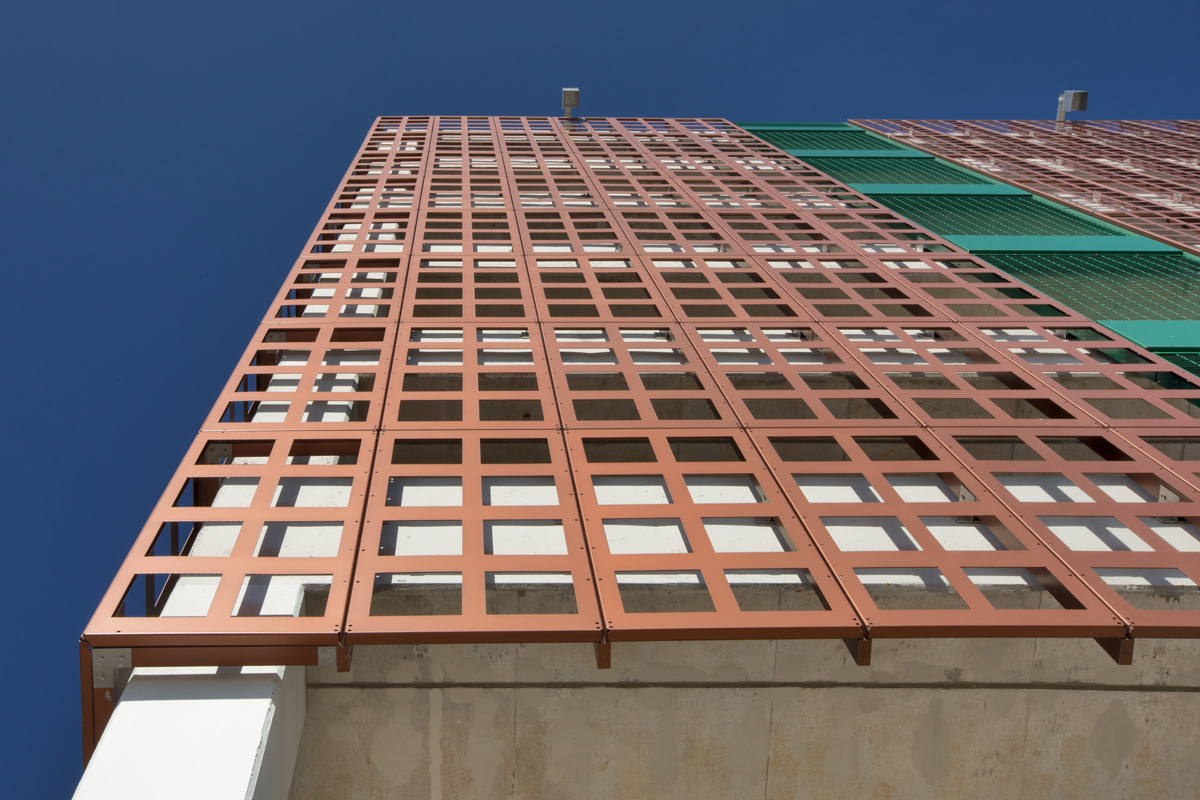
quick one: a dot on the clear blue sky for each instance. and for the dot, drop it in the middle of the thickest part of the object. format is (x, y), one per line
(162, 163)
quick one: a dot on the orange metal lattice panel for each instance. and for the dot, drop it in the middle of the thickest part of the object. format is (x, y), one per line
(472, 536)
(733, 397)
(251, 545)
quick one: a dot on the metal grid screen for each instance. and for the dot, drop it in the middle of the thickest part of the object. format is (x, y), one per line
(1144, 175)
(957, 215)
(893, 170)
(617, 379)
(825, 140)
(1188, 359)
(1161, 286)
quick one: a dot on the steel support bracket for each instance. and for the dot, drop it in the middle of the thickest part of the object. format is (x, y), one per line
(604, 654)
(860, 650)
(335, 654)
(107, 663)
(1121, 650)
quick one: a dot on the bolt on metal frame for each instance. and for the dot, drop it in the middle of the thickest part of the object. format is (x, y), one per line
(620, 379)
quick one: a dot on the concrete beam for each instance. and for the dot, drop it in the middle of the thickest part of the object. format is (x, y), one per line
(200, 732)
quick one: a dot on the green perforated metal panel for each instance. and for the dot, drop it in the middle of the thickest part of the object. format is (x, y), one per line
(825, 140)
(894, 170)
(1188, 359)
(975, 215)
(1159, 286)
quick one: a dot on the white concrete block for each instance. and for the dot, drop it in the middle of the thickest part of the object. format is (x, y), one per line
(299, 539)
(421, 538)
(292, 358)
(284, 382)
(954, 535)
(747, 355)
(1094, 534)
(520, 490)
(235, 492)
(1183, 536)
(200, 734)
(745, 535)
(630, 490)
(215, 539)
(524, 538)
(503, 335)
(312, 492)
(1122, 489)
(922, 488)
(420, 491)
(489, 357)
(662, 355)
(274, 595)
(345, 358)
(1039, 488)
(327, 411)
(837, 489)
(422, 357)
(723, 488)
(588, 356)
(436, 335)
(869, 533)
(191, 596)
(645, 536)
(270, 412)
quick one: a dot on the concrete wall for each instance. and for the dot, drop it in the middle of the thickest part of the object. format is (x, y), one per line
(772, 719)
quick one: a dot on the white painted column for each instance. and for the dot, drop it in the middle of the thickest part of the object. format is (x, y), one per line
(210, 733)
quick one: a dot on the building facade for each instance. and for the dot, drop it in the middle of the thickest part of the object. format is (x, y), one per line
(673, 457)
(1139, 178)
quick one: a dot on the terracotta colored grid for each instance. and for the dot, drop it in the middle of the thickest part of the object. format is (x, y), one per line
(646, 583)
(1176, 450)
(702, 231)
(447, 582)
(722, 287)
(1140, 175)
(318, 377)
(622, 376)
(793, 376)
(957, 288)
(971, 290)
(1106, 500)
(927, 517)
(592, 289)
(1110, 380)
(949, 372)
(449, 286)
(258, 488)
(470, 376)
(341, 290)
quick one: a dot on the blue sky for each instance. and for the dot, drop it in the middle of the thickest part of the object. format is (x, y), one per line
(162, 164)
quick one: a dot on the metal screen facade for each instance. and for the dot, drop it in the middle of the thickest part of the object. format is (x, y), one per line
(1150, 286)
(1143, 175)
(600, 380)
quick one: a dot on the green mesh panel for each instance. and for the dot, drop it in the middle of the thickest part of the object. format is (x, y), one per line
(1188, 359)
(1161, 286)
(989, 215)
(826, 140)
(893, 170)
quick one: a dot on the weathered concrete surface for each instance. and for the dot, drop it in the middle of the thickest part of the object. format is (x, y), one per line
(932, 719)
